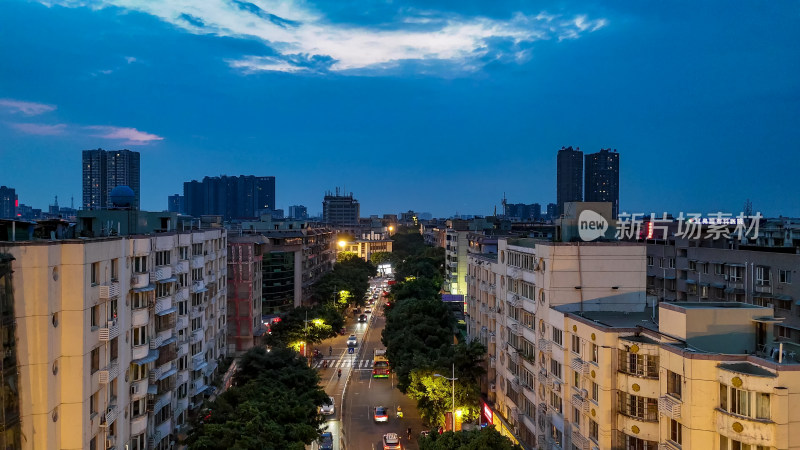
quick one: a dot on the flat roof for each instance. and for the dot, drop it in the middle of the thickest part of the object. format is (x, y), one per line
(618, 319)
(713, 305)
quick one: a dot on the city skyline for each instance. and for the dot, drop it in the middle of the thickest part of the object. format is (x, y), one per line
(695, 91)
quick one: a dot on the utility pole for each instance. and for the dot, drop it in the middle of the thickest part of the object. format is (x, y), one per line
(453, 379)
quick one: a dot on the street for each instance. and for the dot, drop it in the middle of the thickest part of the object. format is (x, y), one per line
(357, 393)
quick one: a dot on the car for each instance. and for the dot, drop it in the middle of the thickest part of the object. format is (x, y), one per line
(368, 311)
(326, 441)
(380, 414)
(362, 318)
(352, 341)
(391, 442)
(327, 409)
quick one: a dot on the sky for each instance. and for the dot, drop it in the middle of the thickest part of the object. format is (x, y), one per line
(435, 106)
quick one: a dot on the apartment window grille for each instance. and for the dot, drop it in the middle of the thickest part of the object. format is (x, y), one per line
(638, 364)
(642, 408)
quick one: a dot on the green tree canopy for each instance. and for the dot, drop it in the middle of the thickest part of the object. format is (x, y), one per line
(482, 439)
(324, 321)
(273, 405)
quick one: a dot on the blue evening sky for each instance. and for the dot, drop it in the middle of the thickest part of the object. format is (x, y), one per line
(437, 106)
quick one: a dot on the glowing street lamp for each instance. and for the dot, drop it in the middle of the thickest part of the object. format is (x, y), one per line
(342, 244)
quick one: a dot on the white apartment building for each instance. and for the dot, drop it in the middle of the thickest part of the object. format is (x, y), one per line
(118, 336)
(578, 358)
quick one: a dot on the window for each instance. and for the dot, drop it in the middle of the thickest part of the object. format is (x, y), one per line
(555, 402)
(93, 404)
(138, 300)
(675, 431)
(576, 379)
(139, 442)
(138, 407)
(719, 269)
(197, 249)
(162, 258)
(576, 344)
(197, 323)
(94, 314)
(671, 263)
(183, 280)
(649, 261)
(594, 430)
(744, 403)
(183, 308)
(693, 265)
(735, 273)
(93, 443)
(642, 408)
(784, 332)
(762, 276)
(704, 267)
(595, 391)
(730, 444)
(113, 349)
(140, 336)
(674, 384)
(576, 417)
(115, 270)
(558, 336)
(163, 290)
(555, 368)
(138, 372)
(785, 276)
(661, 262)
(703, 291)
(636, 364)
(183, 253)
(197, 274)
(595, 353)
(140, 264)
(95, 273)
(95, 360)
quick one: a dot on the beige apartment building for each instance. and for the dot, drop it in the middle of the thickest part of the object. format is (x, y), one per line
(118, 332)
(579, 357)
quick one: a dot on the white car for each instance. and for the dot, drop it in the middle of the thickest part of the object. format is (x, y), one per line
(327, 409)
(352, 341)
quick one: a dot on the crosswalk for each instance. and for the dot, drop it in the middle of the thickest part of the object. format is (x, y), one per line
(345, 362)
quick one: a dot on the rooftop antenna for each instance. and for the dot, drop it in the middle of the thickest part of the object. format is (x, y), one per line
(72, 202)
(505, 210)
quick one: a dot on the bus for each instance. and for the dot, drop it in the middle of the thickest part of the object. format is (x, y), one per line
(380, 365)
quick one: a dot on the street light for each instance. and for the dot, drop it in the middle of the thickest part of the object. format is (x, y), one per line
(342, 244)
(453, 379)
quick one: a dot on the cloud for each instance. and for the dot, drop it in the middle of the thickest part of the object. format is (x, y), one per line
(304, 40)
(39, 129)
(130, 59)
(131, 136)
(25, 108)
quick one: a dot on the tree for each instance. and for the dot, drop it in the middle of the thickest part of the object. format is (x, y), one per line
(487, 437)
(324, 321)
(273, 405)
(383, 257)
(419, 288)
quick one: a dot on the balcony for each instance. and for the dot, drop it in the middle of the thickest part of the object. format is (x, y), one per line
(109, 373)
(580, 366)
(182, 295)
(140, 280)
(198, 287)
(138, 389)
(163, 273)
(182, 267)
(211, 256)
(109, 291)
(580, 403)
(211, 277)
(197, 387)
(163, 304)
(139, 424)
(140, 317)
(669, 406)
(196, 311)
(197, 262)
(513, 300)
(182, 322)
(156, 342)
(109, 417)
(514, 272)
(141, 247)
(110, 331)
(747, 430)
(163, 401)
(196, 336)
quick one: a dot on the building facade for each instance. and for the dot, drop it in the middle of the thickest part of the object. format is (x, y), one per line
(119, 335)
(10, 427)
(242, 197)
(8, 203)
(569, 177)
(244, 291)
(104, 170)
(602, 178)
(298, 212)
(340, 211)
(367, 244)
(175, 204)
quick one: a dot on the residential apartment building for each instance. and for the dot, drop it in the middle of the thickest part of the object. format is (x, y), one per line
(10, 427)
(341, 211)
(579, 358)
(761, 271)
(298, 212)
(569, 177)
(295, 255)
(104, 170)
(602, 178)
(175, 204)
(118, 334)
(245, 287)
(238, 197)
